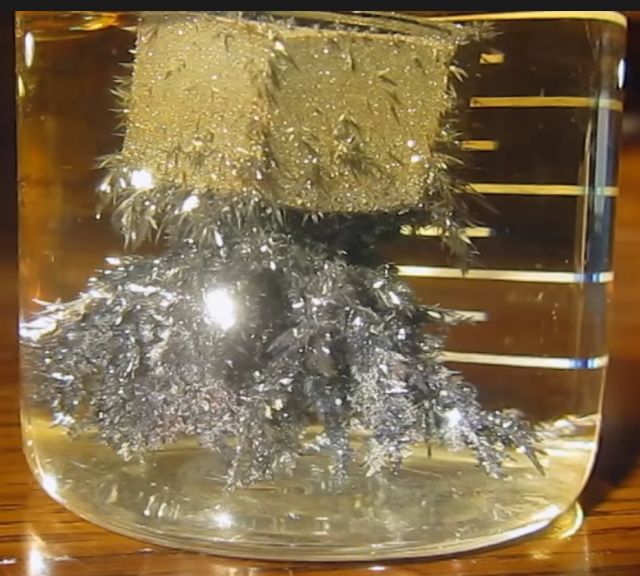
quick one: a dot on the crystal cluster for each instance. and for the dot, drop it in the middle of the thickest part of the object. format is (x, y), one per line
(267, 315)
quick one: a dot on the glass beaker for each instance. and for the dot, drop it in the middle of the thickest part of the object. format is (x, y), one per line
(316, 285)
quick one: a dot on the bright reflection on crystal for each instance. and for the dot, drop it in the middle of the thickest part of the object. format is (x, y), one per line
(220, 308)
(453, 417)
(191, 203)
(141, 179)
(37, 327)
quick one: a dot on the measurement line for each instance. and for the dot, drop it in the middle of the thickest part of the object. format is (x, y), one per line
(492, 58)
(507, 275)
(479, 145)
(544, 102)
(436, 232)
(541, 189)
(604, 16)
(522, 361)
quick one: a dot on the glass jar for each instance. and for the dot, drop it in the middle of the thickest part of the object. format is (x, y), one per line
(316, 285)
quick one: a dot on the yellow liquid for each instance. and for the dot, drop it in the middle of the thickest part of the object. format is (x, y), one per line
(436, 504)
(537, 295)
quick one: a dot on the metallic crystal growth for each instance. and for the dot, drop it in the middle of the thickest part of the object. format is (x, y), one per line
(346, 118)
(246, 344)
(268, 155)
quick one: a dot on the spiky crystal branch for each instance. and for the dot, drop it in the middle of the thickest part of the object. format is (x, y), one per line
(267, 330)
(245, 344)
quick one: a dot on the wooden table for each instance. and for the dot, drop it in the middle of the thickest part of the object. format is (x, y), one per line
(40, 538)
